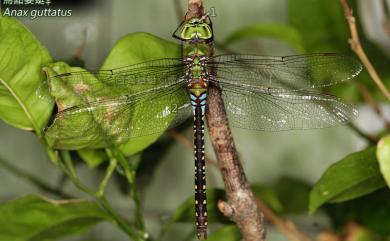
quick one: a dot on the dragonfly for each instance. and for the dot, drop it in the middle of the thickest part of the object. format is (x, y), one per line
(259, 93)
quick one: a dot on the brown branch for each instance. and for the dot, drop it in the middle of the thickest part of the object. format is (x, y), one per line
(354, 42)
(82, 46)
(179, 10)
(286, 227)
(386, 21)
(369, 99)
(241, 206)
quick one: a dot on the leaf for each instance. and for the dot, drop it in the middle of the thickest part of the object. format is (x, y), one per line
(93, 157)
(372, 211)
(65, 97)
(135, 48)
(286, 195)
(21, 60)
(323, 28)
(269, 195)
(383, 155)
(293, 194)
(227, 233)
(35, 218)
(355, 175)
(321, 24)
(132, 49)
(284, 33)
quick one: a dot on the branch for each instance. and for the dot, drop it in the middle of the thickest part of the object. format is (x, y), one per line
(179, 11)
(241, 206)
(284, 226)
(354, 42)
(369, 99)
(386, 22)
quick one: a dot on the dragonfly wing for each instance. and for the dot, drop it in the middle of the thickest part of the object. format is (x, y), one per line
(288, 72)
(75, 88)
(278, 109)
(115, 121)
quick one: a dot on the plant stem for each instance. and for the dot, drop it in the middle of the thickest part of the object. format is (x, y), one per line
(130, 176)
(110, 169)
(284, 226)
(32, 179)
(118, 219)
(68, 168)
(356, 46)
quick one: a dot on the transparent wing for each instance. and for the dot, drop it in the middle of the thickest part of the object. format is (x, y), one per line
(116, 82)
(280, 109)
(114, 121)
(289, 72)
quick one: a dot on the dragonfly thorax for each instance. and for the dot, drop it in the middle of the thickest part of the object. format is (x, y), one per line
(197, 72)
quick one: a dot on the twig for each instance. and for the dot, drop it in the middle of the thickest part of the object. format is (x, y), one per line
(369, 99)
(386, 20)
(109, 170)
(179, 10)
(284, 226)
(33, 179)
(130, 176)
(66, 164)
(373, 140)
(241, 206)
(82, 46)
(354, 42)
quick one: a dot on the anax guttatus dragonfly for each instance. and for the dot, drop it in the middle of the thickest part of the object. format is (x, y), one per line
(259, 92)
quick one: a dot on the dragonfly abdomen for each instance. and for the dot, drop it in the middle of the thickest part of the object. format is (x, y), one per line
(198, 103)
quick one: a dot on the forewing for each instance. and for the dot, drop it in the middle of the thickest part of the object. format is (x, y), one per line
(289, 72)
(278, 109)
(85, 86)
(114, 121)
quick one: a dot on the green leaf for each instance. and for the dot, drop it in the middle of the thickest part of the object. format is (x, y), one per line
(355, 175)
(371, 211)
(284, 33)
(35, 218)
(227, 233)
(21, 60)
(137, 48)
(59, 135)
(93, 157)
(323, 28)
(321, 24)
(287, 195)
(269, 195)
(293, 194)
(383, 155)
(132, 49)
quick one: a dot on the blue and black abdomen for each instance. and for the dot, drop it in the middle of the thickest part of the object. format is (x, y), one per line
(198, 105)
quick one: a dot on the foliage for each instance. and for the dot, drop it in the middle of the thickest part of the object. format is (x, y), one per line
(37, 218)
(351, 189)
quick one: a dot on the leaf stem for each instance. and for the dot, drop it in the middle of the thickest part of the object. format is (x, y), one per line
(32, 179)
(110, 169)
(130, 176)
(66, 165)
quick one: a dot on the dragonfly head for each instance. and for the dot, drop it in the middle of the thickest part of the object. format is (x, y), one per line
(195, 29)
